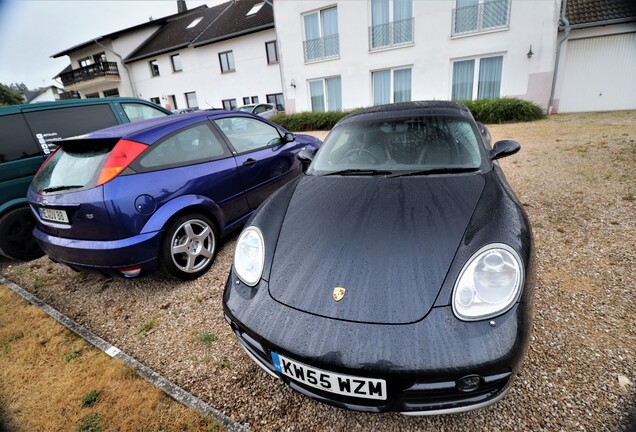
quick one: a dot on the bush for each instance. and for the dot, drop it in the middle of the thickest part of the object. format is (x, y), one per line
(307, 121)
(504, 110)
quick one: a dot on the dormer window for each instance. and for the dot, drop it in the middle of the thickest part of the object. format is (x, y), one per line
(194, 23)
(255, 9)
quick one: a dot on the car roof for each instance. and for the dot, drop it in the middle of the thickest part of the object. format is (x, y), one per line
(72, 102)
(402, 109)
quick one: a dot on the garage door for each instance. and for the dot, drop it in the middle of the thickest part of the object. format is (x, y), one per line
(600, 74)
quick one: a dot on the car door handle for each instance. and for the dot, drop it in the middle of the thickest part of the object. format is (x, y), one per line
(249, 162)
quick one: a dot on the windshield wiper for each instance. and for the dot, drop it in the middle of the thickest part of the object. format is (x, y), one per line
(60, 188)
(357, 171)
(436, 171)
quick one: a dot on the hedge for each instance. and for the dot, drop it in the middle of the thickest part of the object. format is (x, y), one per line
(503, 110)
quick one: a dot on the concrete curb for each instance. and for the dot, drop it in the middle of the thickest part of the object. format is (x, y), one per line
(150, 375)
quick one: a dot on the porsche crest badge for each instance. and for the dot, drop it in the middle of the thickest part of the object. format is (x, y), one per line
(338, 293)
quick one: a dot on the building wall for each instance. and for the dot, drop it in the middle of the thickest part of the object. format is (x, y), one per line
(201, 73)
(531, 23)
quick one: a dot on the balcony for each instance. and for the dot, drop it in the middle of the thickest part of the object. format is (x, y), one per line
(68, 95)
(482, 17)
(80, 79)
(391, 34)
(322, 48)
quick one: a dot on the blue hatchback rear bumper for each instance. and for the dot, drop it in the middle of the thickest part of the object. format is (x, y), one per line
(104, 256)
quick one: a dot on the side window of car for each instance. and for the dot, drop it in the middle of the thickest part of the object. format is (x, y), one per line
(16, 141)
(54, 124)
(137, 111)
(188, 146)
(259, 109)
(248, 134)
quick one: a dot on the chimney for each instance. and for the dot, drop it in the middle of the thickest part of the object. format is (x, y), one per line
(181, 6)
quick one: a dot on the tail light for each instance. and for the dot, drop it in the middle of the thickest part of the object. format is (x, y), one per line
(120, 157)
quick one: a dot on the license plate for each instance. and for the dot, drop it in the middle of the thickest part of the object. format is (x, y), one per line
(366, 388)
(54, 215)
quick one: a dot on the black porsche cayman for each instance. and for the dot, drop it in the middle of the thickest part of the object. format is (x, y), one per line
(396, 275)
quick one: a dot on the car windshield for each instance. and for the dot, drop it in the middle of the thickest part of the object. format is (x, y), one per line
(409, 145)
(246, 108)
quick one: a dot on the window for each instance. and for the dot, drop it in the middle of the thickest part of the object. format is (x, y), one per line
(486, 71)
(272, 52)
(98, 58)
(172, 102)
(229, 104)
(111, 93)
(137, 111)
(92, 95)
(276, 99)
(176, 63)
(17, 140)
(246, 100)
(155, 100)
(392, 23)
(254, 99)
(194, 23)
(154, 68)
(391, 86)
(326, 94)
(474, 16)
(85, 62)
(191, 100)
(255, 9)
(227, 61)
(192, 145)
(321, 35)
(248, 134)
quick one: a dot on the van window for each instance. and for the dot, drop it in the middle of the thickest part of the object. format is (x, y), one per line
(58, 123)
(137, 111)
(16, 141)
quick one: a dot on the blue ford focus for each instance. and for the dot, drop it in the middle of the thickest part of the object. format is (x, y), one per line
(162, 192)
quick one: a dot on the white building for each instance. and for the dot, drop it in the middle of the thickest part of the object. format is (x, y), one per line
(358, 53)
(43, 94)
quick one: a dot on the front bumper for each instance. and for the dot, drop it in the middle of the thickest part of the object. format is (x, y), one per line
(104, 256)
(421, 362)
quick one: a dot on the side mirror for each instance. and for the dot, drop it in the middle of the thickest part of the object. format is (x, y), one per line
(305, 156)
(485, 134)
(504, 148)
(288, 137)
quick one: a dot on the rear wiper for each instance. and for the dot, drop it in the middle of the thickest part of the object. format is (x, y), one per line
(60, 188)
(436, 171)
(356, 171)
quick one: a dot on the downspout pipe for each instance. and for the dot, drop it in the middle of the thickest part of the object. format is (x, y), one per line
(130, 76)
(563, 22)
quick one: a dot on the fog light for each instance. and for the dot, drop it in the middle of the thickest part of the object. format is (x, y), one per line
(130, 271)
(468, 383)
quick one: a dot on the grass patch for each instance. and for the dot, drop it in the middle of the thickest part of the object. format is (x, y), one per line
(225, 363)
(90, 398)
(10, 339)
(90, 423)
(629, 197)
(208, 339)
(72, 355)
(147, 327)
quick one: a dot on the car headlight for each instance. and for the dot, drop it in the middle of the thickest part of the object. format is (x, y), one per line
(489, 284)
(249, 256)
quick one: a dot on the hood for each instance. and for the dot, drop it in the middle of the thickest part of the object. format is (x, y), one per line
(388, 242)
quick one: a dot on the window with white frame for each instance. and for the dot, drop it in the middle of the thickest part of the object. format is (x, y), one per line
(326, 94)
(474, 16)
(321, 35)
(391, 85)
(176, 63)
(391, 23)
(485, 71)
(227, 61)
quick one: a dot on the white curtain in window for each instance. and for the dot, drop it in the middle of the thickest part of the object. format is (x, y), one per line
(402, 85)
(380, 35)
(489, 77)
(495, 13)
(230, 60)
(381, 87)
(312, 29)
(330, 32)
(463, 74)
(466, 15)
(403, 24)
(317, 93)
(334, 94)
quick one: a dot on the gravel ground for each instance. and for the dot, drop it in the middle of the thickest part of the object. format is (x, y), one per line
(576, 177)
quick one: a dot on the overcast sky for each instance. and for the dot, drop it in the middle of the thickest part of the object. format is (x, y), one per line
(32, 30)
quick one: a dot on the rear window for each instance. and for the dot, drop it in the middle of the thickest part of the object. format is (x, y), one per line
(53, 125)
(16, 141)
(75, 166)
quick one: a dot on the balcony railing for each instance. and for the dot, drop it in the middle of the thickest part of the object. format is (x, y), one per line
(67, 95)
(86, 73)
(489, 15)
(391, 34)
(322, 48)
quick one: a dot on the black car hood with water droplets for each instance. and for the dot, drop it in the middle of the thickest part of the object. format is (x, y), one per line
(388, 241)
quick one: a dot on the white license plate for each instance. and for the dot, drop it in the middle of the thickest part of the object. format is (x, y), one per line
(54, 215)
(366, 388)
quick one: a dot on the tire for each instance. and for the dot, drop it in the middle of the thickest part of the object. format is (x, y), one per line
(16, 235)
(189, 246)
